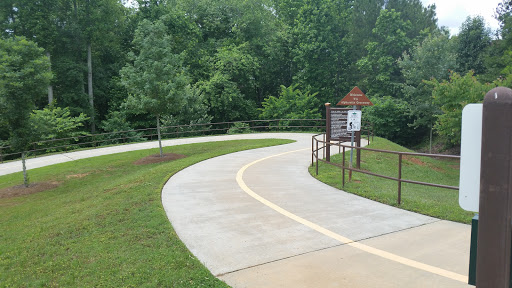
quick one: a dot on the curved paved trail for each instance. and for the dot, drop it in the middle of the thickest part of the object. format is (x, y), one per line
(258, 219)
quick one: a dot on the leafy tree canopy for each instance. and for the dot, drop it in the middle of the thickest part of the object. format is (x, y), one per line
(24, 77)
(474, 37)
(291, 104)
(156, 78)
(451, 96)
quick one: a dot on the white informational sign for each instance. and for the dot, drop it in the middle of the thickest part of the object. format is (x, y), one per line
(470, 157)
(354, 120)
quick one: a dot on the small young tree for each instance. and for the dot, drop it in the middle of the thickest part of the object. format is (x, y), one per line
(56, 123)
(156, 79)
(24, 76)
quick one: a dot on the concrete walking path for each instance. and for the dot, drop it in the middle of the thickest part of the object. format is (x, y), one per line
(258, 219)
(42, 161)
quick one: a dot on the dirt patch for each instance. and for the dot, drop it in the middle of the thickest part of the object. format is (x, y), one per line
(77, 175)
(32, 188)
(157, 159)
(417, 161)
(414, 160)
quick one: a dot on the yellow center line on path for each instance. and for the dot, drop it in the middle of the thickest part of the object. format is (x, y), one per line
(333, 235)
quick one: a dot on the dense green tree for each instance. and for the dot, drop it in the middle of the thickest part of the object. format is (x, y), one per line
(451, 96)
(291, 104)
(497, 57)
(433, 58)
(379, 66)
(321, 53)
(118, 127)
(224, 99)
(152, 10)
(24, 77)
(156, 79)
(34, 19)
(240, 67)
(56, 123)
(193, 111)
(504, 16)
(74, 34)
(423, 19)
(474, 38)
(225, 25)
(364, 14)
(392, 119)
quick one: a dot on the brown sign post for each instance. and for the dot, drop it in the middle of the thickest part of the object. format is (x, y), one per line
(337, 120)
(355, 97)
(495, 206)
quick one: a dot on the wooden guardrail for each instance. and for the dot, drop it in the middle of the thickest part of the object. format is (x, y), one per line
(148, 134)
(315, 155)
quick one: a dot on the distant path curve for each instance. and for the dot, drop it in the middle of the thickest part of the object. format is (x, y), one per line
(15, 166)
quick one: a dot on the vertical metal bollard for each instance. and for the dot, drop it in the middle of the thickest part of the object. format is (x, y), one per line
(495, 208)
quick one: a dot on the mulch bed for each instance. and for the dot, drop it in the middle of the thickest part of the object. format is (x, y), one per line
(32, 188)
(157, 159)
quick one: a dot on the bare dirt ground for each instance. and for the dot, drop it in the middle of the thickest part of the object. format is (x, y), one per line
(32, 188)
(37, 187)
(157, 159)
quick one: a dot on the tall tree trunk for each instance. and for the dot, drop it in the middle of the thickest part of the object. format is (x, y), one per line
(50, 87)
(75, 9)
(89, 86)
(25, 176)
(159, 135)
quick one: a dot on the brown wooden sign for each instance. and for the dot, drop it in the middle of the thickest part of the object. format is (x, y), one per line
(338, 124)
(355, 97)
(336, 129)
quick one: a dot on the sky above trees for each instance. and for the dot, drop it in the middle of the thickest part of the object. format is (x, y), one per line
(453, 12)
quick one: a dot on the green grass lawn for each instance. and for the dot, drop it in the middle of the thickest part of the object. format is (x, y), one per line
(104, 226)
(437, 202)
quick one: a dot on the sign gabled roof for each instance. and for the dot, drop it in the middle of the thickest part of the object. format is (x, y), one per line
(355, 97)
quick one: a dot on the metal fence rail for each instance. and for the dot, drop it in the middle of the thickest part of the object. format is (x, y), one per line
(149, 134)
(315, 151)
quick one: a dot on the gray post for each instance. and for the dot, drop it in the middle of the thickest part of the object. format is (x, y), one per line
(351, 150)
(495, 220)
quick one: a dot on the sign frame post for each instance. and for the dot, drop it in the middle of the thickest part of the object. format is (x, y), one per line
(356, 98)
(354, 130)
(495, 206)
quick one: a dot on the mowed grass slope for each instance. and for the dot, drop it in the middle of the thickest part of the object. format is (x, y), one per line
(437, 202)
(104, 226)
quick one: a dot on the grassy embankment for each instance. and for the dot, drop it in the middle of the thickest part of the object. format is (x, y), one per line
(104, 226)
(437, 202)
